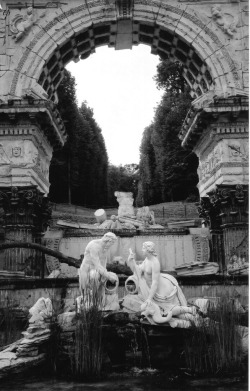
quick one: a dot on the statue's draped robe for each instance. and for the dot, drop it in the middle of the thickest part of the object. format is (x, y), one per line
(166, 303)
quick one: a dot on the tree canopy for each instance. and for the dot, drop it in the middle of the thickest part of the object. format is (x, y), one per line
(78, 172)
(122, 178)
(169, 76)
(167, 171)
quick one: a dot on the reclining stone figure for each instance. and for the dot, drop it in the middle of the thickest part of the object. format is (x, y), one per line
(158, 294)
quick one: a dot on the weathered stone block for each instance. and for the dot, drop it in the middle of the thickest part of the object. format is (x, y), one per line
(5, 82)
(2, 46)
(166, 17)
(201, 48)
(216, 65)
(245, 79)
(4, 62)
(246, 42)
(35, 68)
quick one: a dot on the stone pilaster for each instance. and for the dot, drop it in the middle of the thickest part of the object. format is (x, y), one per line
(218, 134)
(26, 216)
(29, 130)
(232, 203)
(211, 219)
(225, 211)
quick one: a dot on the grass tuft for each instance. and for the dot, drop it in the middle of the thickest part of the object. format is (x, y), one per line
(214, 347)
(86, 361)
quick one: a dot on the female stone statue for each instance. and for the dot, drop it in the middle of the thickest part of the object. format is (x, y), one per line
(159, 295)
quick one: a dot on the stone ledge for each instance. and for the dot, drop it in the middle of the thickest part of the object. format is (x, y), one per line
(33, 283)
(213, 280)
(125, 232)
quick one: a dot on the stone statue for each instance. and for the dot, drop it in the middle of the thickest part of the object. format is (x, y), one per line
(125, 200)
(93, 272)
(146, 215)
(41, 310)
(158, 295)
(179, 316)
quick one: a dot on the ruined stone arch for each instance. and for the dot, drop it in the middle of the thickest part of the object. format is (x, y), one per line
(172, 31)
(211, 41)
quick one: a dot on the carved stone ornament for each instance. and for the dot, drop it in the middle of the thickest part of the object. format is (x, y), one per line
(209, 213)
(201, 246)
(16, 151)
(124, 8)
(225, 21)
(236, 151)
(52, 4)
(213, 160)
(231, 202)
(225, 195)
(21, 24)
(52, 241)
(25, 207)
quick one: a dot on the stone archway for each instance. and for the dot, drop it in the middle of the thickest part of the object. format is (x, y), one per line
(57, 35)
(38, 39)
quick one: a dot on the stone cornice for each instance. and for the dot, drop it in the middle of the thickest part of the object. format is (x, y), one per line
(197, 119)
(38, 112)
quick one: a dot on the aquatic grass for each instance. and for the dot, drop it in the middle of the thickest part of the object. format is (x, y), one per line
(86, 361)
(78, 353)
(55, 348)
(213, 346)
(10, 330)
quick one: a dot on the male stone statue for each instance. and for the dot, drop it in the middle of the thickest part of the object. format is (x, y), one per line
(93, 270)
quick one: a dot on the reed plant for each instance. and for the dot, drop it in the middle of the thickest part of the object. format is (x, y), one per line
(88, 351)
(213, 346)
(55, 349)
(10, 328)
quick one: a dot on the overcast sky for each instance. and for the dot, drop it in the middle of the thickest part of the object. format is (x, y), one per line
(119, 86)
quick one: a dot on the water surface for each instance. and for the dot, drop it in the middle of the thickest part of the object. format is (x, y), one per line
(120, 383)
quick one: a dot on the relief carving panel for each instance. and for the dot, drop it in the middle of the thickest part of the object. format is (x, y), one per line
(213, 160)
(21, 24)
(227, 153)
(237, 150)
(227, 22)
(22, 154)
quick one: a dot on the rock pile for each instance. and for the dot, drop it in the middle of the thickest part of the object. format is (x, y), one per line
(27, 351)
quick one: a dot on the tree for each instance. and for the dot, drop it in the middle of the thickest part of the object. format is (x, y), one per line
(149, 181)
(122, 178)
(78, 171)
(170, 76)
(167, 171)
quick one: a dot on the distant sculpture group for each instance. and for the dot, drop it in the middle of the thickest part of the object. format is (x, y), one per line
(127, 219)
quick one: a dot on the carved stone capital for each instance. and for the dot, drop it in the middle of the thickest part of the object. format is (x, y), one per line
(25, 208)
(209, 213)
(231, 202)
